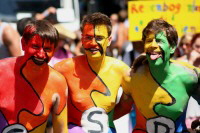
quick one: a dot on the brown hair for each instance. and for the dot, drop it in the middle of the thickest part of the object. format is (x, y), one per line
(97, 19)
(158, 25)
(44, 29)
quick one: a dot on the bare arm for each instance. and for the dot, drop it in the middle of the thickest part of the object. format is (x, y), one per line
(123, 107)
(59, 111)
(125, 104)
(11, 39)
(60, 121)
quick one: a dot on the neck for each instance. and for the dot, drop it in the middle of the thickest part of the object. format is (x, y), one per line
(96, 64)
(31, 67)
(160, 72)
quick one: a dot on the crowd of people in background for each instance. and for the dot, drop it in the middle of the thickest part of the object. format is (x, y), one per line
(69, 45)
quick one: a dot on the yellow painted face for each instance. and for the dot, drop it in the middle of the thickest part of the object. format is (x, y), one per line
(152, 47)
(151, 44)
(95, 40)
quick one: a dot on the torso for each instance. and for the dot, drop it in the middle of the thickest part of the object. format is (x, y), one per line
(25, 104)
(88, 89)
(164, 103)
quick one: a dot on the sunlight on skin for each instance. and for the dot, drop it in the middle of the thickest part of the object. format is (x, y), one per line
(95, 49)
(162, 100)
(34, 80)
(94, 80)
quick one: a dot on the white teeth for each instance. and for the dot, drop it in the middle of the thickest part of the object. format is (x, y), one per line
(93, 49)
(39, 59)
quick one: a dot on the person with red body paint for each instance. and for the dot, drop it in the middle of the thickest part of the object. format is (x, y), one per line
(30, 89)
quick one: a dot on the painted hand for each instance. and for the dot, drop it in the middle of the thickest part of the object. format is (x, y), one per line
(138, 62)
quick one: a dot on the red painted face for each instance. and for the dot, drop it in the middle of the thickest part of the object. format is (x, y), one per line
(40, 51)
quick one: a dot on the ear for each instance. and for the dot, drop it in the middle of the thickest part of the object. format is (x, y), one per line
(23, 43)
(172, 49)
(109, 41)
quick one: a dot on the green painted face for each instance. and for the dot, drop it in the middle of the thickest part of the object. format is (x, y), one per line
(158, 49)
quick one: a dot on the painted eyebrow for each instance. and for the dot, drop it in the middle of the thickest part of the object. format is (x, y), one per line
(161, 34)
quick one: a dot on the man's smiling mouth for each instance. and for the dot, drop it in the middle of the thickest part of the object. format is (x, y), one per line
(38, 61)
(93, 50)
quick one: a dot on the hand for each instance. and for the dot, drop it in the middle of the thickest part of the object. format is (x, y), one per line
(138, 62)
(196, 125)
(51, 10)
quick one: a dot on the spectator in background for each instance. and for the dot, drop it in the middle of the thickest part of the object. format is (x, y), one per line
(63, 51)
(119, 35)
(191, 50)
(9, 41)
(184, 47)
(194, 57)
(46, 13)
(124, 26)
(115, 26)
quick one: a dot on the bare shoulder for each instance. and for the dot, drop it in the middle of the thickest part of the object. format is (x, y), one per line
(63, 65)
(67, 64)
(6, 62)
(118, 66)
(116, 62)
(9, 32)
(7, 67)
(56, 77)
(184, 71)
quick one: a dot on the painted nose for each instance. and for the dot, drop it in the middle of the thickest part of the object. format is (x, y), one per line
(154, 43)
(94, 40)
(41, 54)
(151, 46)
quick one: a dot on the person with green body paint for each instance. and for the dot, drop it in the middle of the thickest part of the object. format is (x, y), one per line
(160, 87)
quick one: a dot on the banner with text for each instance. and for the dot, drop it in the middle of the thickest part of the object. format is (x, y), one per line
(184, 15)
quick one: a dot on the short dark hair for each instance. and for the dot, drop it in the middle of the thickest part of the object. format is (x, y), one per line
(97, 19)
(43, 28)
(21, 24)
(158, 25)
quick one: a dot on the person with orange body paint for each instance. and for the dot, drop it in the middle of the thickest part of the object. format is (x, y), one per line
(93, 79)
(30, 89)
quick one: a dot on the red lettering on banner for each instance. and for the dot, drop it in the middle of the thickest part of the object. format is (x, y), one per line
(137, 9)
(175, 8)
